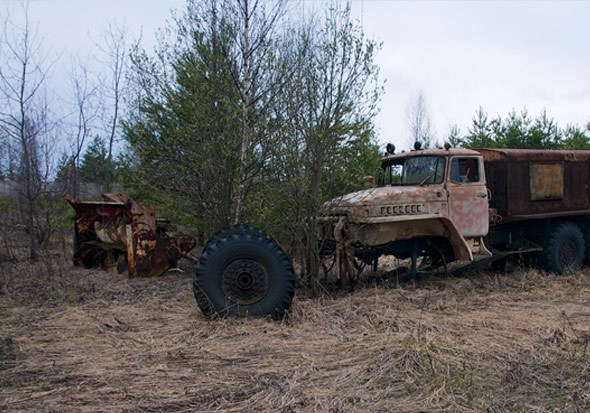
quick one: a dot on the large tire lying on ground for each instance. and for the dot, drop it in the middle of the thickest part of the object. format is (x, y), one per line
(234, 229)
(563, 249)
(244, 272)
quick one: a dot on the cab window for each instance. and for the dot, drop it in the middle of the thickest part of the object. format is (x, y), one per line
(414, 170)
(464, 170)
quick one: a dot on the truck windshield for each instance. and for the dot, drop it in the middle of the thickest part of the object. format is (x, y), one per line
(416, 170)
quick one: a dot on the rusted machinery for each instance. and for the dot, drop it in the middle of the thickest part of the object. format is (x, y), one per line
(120, 233)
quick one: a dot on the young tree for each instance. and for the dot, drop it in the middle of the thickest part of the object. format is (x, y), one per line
(544, 133)
(419, 122)
(574, 137)
(454, 137)
(211, 91)
(482, 131)
(95, 166)
(184, 129)
(5, 154)
(326, 115)
(85, 94)
(256, 49)
(25, 122)
(114, 58)
(515, 130)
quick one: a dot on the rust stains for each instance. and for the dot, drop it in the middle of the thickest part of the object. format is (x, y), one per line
(539, 155)
(119, 233)
(535, 184)
(546, 181)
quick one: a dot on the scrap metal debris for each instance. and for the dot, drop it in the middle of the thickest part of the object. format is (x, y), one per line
(119, 233)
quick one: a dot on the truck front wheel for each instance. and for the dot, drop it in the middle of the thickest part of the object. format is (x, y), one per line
(563, 249)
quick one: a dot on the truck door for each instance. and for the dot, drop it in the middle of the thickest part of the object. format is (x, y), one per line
(468, 196)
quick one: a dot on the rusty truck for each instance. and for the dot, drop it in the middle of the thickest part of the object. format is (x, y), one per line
(430, 207)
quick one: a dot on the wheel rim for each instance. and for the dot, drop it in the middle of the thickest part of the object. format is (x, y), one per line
(567, 254)
(245, 282)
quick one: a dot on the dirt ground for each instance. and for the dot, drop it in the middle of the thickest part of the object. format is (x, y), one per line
(75, 340)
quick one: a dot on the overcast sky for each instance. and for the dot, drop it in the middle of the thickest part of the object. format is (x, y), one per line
(500, 55)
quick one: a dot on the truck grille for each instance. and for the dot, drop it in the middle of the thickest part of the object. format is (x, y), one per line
(405, 209)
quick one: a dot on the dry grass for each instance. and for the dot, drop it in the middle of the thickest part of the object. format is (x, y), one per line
(86, 341)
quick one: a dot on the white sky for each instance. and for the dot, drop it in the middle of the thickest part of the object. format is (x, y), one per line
(500, 55)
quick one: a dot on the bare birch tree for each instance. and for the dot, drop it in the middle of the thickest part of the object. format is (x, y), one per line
(85, 93)
(114, 49)
(256, 37)
(328, 109)
(419, 122)
(25, 121)
(213, 87)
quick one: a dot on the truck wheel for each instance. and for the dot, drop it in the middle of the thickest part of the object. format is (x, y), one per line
(586, 232)
(563, 249)
(244, 273)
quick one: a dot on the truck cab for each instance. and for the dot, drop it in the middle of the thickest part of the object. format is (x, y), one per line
(430, 203)
(456, 176)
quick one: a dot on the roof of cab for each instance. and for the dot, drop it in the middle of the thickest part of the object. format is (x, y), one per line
(431, 152)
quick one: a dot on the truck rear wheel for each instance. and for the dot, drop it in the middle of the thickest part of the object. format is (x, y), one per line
(563, 249)
(245, 273)
(586, 232)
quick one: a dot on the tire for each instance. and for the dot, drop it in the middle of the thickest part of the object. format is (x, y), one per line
(234, 229)
(244, 273)
(563, 249)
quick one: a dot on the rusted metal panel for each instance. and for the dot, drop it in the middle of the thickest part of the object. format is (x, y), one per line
(528, 184)
(121, 233)
(468, 197)
(546, 181)
(468, 209)
(534, 155)
(389, 202)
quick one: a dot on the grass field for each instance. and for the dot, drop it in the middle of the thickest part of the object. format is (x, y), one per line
(75, 340)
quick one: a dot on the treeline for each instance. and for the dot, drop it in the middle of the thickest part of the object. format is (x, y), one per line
(520, 130)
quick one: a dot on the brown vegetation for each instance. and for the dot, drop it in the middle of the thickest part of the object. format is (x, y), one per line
(86, 341)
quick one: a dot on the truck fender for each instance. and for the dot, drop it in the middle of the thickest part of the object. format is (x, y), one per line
(460, 246)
